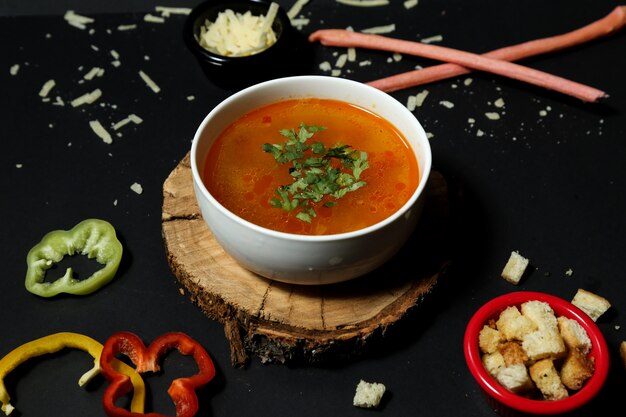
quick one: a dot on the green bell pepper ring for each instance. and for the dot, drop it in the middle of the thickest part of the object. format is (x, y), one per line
(92, 237)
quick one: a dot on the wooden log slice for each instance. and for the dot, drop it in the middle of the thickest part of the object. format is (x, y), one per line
(288, 323)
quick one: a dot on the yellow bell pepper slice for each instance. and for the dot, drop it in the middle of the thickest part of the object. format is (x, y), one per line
(56, 342)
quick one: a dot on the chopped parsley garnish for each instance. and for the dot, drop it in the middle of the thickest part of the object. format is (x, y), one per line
(315, 177)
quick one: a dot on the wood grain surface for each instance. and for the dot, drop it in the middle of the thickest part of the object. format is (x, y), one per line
(289, 323)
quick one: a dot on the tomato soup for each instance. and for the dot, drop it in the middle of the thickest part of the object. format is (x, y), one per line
(243, 178)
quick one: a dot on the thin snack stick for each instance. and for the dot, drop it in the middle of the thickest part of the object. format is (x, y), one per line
(346, 38)
(608, 25)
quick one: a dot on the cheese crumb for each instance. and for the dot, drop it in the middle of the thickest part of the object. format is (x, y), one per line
(87, 98)
(296, 8)
(150, 18)
(467, 82)
(168, 11)
(45, 89)
(377, 30)
(136, 187)
(364, 3)
(499, 103)
(149, 81)
(131, 118)
(99, 130)
(77, 20)
(14, 69)
(436, 38)
(409, 4)
(94, 72)
(126, 27)
(420, 97)
(191, 98)
(447, 104)
(492, 115)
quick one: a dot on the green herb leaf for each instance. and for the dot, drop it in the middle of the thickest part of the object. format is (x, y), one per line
(315, 177)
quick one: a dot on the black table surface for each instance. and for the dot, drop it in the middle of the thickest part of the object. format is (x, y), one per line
(547, 179)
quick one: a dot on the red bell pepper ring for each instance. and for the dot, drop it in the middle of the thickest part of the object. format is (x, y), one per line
(182, 391)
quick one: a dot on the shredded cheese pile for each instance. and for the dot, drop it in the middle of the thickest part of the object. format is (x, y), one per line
(237, 34)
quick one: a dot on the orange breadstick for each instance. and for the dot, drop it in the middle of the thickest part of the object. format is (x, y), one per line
(609, 24)
(345, 38)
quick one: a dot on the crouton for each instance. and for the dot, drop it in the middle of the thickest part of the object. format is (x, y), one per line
(368, 394)
(514, 268)
(574, 335)
(515, 378)
(540, 313)
(513, 325)
(489, 339)
(547, 380)
(592, 304)
(576, 369)
(542, 344)
(493, 363)
(513, 353)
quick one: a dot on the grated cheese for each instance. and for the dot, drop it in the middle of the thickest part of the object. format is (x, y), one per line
(411, 103)
(99, 130)
(299, 23)
(492, 115)
(409, 4)
(150, 18)
(467, 82)
(351, 54)
(341, 60)
(149, 82)
(45, 89)
(77, 20)
(237, 34)
(168, 11)
(296, 8)
(94, 72)
(136, 187)
(380, 29)
(499, 103)
(335, 73)
(87, 98)
(325, 66)
(126, 27)
(447, 104)
(131, 118)
(436, 38)
(420, 97)
(14, 69)
(364, 3)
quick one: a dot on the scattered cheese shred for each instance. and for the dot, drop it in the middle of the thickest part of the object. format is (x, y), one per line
(14, 69)
(47, 86)
(380, 29)
(150, 18)
(99, 130)
(467, 82)
(409, 4)
(421, 96)
(127, 27)
(94, 72)
(77, 20)
(149, 81)
(364, 3)
(131, 118)
(168, 11)
(136, 187)
(87, 98)
(237, 34)
(492, 115)
(447, 104)
(296, 8)
(499, 103)
(436, 38)
(411, 103)
(341, 60)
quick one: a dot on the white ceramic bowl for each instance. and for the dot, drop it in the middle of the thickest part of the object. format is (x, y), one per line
(301, 259)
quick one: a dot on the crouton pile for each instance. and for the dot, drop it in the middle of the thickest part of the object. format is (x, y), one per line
(532, 352)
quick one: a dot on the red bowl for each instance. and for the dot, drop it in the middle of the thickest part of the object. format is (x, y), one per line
(506, 402)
